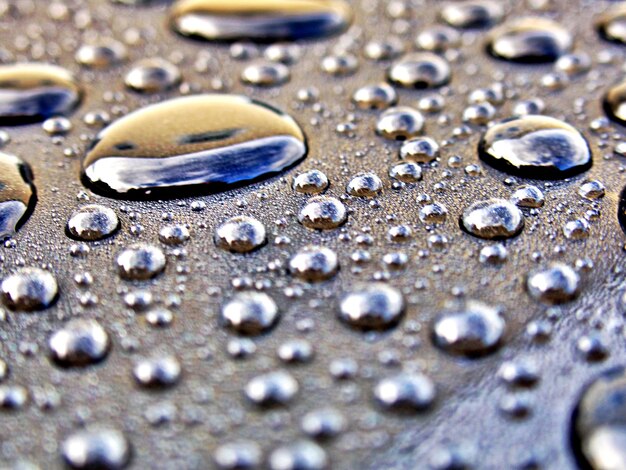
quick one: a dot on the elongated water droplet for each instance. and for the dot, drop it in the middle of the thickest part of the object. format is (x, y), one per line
(17, 194)
(34, 92)
(265, 20)
(611, 24)
(536, 147)
(204, 143)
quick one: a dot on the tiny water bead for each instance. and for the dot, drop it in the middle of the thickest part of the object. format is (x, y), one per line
(272, 388)
(538, 147)
(17, 194)
(530, 40)
(93, 222)
(493, 219)
(311, 182)
(438, 38)
(240, 234)
(614, 103)
(323, 213)
(250, 313)
(420, 150)
(261, 21)
(102, 55)
(611, 24)
(556, 284)
(300, 455)
(153, 75)
(203, 143)
(96, 448)
(420, 70)
(245, 455)
(29, 289)
(79, 343)
(405, 392)
(400, 123)
(314, 263)
(265, 74)
(33, 92)
(472, 14)
(374, 306)
(157, 372)
(141, 262)
(599, 421)
(472, 331)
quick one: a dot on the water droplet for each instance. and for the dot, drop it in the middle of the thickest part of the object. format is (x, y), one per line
(34, 92)
(106, 449)
(405, 392)
(264, 20)
(323, 213)
(420, 149)
(141, 262)
(310, 182)
(297, 351)
(615, 103)
(79, 343)
(273, 388)
(300, 455)
(407, 172)
(400, 123)
(93, 222)
(365, 185)
(475, 330)
(240, 234)
(576, 229)
(372, 306)
(265, 74)
(530, 40)
(598, 422)
(340, 65)
(323, 423)
(157, 372)
(174, 234)
(438, 38)
(612, 24)
(238, 455)
(472, 14)
(29, 289)
(528, 196)
(250, 313)
(592, 190)
(420, 70)
(17, 194)
(493, 219)
(554, 285)
(153, 75)
(314, 263)
(220, 141)
(519, 374)
(375, 96)
(536, 147)
(102, 55)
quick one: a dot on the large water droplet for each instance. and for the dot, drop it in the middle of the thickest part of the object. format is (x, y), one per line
(17, 194)
(530, 40)
(614, 103)
(34, 92)
(202, 143)
(260, 20)
(612, 24)
(536, 147)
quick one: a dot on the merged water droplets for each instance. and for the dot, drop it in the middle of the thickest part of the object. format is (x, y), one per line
(33, 92)
(538, 147)
(96, 448)
(79, 343)
(530, 40)
(405, 392)
(272, 388)
(202, 143)
(17, 194)
(265, 20)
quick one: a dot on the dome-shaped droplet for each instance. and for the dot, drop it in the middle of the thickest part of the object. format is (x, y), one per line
(263, 20)
(106, 449)
(614, 103)
(17, 194)
(34, 92)
(314, 263)
(493, 219)
(157, 372)
(310, 182)
(273, 388)
(102, 55)
(176, 234)
(29, 289)
(238, 455)
(612, 24)
(141, 262)
(407, 172)
(419, 149)
(420, 70)
(300, 455)
(250, 313)
(365, 185)
(438, 38)
(153, 75)
(530, 40)
(599, 422)
(93, 222)
(203, 143)
(323, 213)
(240, 234)
(538, 147)
(372, 306)
(375, 96)
(556, 284)
(323, 423)
(79, 343)
(472, 14)
(528, 196)
(400, 123)
(405, 392)
(265, 74)
(474, 330)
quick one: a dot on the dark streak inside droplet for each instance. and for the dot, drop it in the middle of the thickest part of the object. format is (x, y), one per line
(210, 136)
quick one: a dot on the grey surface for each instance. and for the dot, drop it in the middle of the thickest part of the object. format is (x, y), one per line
(469, 391)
